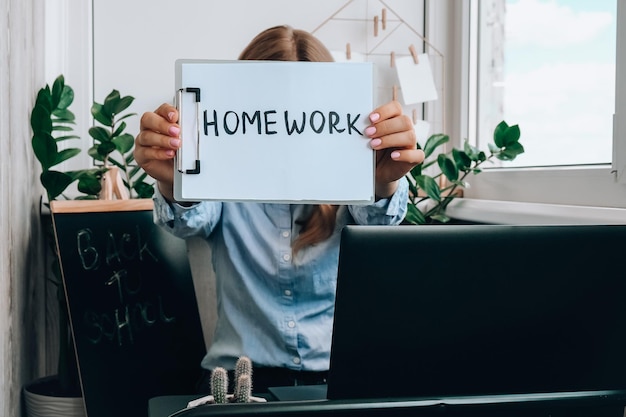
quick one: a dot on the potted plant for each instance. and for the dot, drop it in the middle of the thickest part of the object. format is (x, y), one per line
(52, 123)
(242, 392)
(430, 195)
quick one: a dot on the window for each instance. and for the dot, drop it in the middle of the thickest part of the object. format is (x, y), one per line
(489, 66)
(549, 66)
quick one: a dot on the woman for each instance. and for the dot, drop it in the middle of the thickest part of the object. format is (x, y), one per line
(276, 264)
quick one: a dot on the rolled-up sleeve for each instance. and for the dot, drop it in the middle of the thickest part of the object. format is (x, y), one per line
(386, 211)
(198, 219)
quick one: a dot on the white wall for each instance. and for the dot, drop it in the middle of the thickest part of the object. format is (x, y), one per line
(22, 283)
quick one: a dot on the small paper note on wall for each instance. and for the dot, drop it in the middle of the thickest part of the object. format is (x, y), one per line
(274, 132)
(416, 79)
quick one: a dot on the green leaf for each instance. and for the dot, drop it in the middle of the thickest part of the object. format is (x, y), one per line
(66, 154)
(505, 135)
(414, 215)
(44, 99)
(144, 190)
(129, 158)
(62, 128)
(100, 134)
(105, 148)
(115, 162)
(66, 137)
(93, 152)
(67, 97)
(434, 142)
(110, 104)
(45, 149)
(429, 186)
(416, 171)
(98, 113)
(511, 152)
(55, 183)
(462, 161)
(57, 90)
(64, 116)
(124, 143)
(448, 167)
(40, 119)
(142, 176)
(473, 152)
(412, 189)
(122, 104)
(119, 129)
(75, 175)
(89, 183)
(440, 217)
(126, 116)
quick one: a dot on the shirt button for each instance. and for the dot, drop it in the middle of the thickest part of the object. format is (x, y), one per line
(296, 361)
(286, 257)
(285, 233)
(291, 324)
(287, 293)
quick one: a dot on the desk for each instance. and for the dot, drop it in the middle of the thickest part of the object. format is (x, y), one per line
(498, 406)
(167, 405)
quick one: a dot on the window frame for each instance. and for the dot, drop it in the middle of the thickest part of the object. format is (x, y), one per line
(578, 194)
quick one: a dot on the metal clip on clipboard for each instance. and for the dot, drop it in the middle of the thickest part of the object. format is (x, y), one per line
(179, 100)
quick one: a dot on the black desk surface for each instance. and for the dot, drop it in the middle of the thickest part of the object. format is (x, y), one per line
(167, 405)
(583, 404)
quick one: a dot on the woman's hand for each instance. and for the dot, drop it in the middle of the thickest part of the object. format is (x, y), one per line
(156, 144)
(393, 138)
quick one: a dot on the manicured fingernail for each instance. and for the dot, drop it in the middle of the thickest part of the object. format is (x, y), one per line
(374, 117)
(395, 155)
(370, 131)
(174, 131)
(175, 143)
(169, 152)
(375, 143)
(170, 116)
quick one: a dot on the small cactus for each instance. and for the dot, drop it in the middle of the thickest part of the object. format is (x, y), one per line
(219, 385)
(243, 367)
(243, 390)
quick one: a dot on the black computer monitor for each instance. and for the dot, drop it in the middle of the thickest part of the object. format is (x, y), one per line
(457, 310)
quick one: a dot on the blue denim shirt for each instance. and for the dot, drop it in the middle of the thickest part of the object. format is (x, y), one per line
(273, 307)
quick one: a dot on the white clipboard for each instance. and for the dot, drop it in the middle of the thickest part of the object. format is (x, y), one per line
(270, 131)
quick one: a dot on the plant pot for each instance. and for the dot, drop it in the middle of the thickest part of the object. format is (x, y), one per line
(42, 398)
(230, 398)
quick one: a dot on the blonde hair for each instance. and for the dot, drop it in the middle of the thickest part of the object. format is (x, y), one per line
(283, 43)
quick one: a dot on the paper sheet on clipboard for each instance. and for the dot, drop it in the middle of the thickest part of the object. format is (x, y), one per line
(269, 131)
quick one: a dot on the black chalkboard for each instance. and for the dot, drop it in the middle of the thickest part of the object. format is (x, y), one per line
(132, 305)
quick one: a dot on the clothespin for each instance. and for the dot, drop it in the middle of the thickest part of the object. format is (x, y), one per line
(394, 93)
(348, 52)
(414, 116)
(113, 186)
(376, 25)
(413, 54)
(384, 13)
(392, 59)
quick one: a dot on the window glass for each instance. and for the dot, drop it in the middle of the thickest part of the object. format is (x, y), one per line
(548, 66)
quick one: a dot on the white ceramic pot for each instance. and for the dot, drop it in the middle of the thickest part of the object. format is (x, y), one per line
(41, 402)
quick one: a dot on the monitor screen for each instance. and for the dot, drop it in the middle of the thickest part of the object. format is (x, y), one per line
(455, 310)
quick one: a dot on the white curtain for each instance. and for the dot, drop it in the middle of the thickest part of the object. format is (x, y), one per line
(22, 280)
